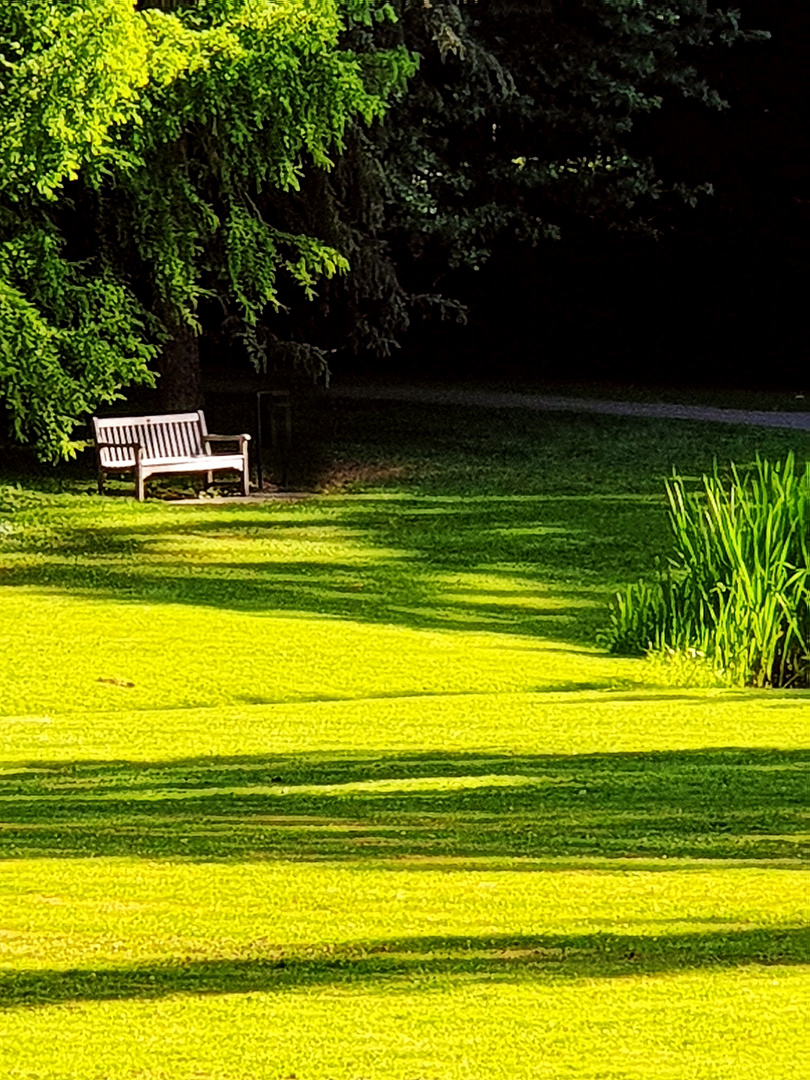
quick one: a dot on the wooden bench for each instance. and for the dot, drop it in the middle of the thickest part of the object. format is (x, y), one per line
(175, 443)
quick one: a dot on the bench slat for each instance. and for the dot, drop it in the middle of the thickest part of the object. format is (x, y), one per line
(147, 441)
(160, 445)
(164, 445)
(183, 440)
(122, 435)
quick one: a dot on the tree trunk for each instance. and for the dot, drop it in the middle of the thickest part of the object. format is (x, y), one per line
(180, 383)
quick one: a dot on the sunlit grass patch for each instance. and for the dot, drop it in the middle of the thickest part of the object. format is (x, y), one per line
(111, 913)
(713, 1025)
(570, 721)
(124, 654)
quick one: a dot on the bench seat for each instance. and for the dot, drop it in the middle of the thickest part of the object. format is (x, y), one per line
(172, 443)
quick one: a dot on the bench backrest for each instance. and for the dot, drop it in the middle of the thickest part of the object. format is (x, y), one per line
(172, 437)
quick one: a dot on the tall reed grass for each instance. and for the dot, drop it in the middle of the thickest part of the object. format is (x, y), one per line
(735, 589)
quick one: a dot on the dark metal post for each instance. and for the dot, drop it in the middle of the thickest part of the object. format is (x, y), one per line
(259, 476)
(279, 399)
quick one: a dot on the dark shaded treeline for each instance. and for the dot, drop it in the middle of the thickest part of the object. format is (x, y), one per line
(718, 298)
(638, 288)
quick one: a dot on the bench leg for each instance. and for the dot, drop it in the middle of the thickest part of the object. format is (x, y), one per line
(209, 479)
(140, 486)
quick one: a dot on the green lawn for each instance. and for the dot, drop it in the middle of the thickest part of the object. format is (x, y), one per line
(343, 788)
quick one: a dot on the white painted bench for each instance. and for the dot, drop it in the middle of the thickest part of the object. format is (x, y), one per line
(175, 443)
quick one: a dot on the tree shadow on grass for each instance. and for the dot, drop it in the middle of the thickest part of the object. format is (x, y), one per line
(411, 964)
(527, 566)
(414, 809)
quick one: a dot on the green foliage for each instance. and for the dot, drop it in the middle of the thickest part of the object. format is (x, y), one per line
(144, 141)
(55, 369)
(74, 82)
(737, 589)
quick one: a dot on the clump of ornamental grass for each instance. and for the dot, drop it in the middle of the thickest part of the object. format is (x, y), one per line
(733, 595)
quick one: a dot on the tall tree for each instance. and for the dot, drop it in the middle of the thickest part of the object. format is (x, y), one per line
(136, 145)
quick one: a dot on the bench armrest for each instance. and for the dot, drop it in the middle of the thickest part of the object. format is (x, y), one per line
(243, 440)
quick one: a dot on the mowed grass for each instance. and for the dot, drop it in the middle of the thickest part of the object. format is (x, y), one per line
(343, 788)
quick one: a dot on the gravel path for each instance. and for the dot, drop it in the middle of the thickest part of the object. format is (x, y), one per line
(499, 399)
